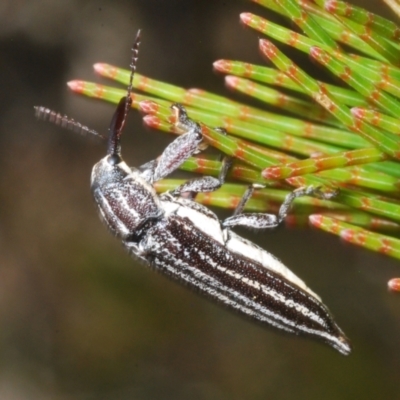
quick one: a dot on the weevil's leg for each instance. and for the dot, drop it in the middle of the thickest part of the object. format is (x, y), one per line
(265, 221)
(181, 148)
(246, 197)
(205, 183)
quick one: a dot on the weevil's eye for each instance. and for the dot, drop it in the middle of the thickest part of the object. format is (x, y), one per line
(114, 159)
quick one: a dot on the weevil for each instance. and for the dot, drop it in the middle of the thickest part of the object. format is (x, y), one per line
(186, 241)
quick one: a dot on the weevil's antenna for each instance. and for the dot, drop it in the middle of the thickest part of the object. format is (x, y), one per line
(133, 64)
(119, 118)
(64, 121)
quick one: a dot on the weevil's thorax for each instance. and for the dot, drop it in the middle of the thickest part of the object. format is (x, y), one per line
(125, 200)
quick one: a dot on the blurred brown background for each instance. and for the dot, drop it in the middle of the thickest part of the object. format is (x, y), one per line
(78, 318)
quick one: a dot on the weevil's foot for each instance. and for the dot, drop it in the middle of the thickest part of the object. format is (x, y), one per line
(325, 193)
(179, 111)
(183, 123)
(222, 130)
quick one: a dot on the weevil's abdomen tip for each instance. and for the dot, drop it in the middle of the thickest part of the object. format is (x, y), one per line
(343, 345)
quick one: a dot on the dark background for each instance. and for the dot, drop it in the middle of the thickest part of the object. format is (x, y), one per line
(78, 318)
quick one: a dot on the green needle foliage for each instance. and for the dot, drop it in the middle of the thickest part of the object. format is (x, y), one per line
(339, 136)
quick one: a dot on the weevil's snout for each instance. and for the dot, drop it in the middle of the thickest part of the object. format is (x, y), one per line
(115, 129)
(121, 113)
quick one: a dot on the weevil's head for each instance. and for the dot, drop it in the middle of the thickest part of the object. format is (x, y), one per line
(124, 199)
(108, 170)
